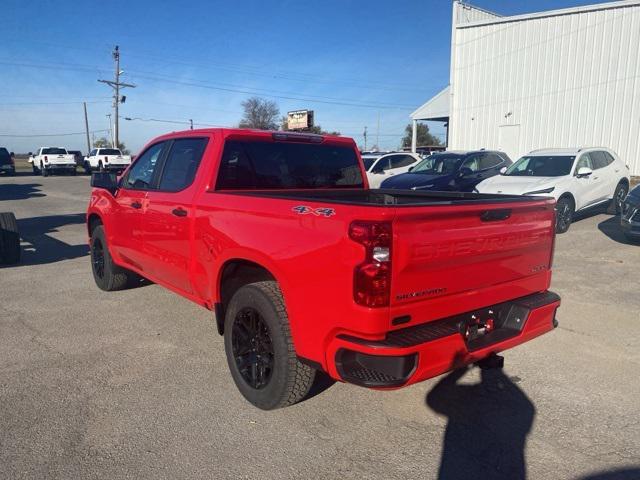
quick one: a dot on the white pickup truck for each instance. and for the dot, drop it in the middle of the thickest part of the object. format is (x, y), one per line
(50, 160)
(106, 159)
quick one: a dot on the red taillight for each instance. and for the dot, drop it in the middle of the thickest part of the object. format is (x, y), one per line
(372, 278)
(106, 159)
(46, 159)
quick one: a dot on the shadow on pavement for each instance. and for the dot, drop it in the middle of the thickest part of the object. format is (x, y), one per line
(44, 248)
(611, 228)
(20, 191)
(487, 427)
(628, 473)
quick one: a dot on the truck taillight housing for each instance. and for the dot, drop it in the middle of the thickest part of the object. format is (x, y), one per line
(372, 277)
(46, 159)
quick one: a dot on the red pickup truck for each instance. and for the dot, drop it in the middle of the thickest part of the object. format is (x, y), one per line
(309, 270)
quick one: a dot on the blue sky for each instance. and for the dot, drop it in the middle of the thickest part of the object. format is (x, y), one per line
(352, 62)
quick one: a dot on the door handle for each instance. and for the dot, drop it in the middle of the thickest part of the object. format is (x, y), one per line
(136, 205)
(179, 212)
(495, 215)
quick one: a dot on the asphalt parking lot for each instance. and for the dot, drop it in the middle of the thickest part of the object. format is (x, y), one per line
(134, 384)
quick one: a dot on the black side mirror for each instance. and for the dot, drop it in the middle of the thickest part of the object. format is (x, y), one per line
(106, 181)
(12, 154)
(31, 154)
(410, 168)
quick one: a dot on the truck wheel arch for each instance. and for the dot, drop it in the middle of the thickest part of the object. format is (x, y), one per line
(235, 274)
(92, 222)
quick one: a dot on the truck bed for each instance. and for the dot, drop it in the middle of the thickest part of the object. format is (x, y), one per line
(389, 197)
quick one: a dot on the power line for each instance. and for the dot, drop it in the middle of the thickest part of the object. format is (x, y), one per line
(270, 95)
(53, 103)
(50, 134)
(229, 88)
(246, 69)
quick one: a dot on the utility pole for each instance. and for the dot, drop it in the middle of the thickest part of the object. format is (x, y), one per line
(86, 127)
(117, 85)
(365, 138)
(378, 132)
(111, 131)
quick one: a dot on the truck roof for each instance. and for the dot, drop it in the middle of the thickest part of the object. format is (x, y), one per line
(257, 134)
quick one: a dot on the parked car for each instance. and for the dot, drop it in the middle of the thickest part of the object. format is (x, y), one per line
(457, 171)
(388, 165)
(104, 159)
(308, 270)
(578, 178)
(7, 165)
(630, 217)
(50, 160)
(78, 157)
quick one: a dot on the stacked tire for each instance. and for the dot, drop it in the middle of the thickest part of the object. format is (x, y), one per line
(9, 239)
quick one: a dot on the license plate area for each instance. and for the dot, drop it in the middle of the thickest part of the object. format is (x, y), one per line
(487, 326)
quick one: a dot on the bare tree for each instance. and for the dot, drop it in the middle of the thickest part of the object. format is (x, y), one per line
(260, 113)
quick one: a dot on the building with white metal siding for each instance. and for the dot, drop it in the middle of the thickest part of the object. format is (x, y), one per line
(562, 78)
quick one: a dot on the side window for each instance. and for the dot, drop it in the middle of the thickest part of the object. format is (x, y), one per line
(381, 165)
(182, 163)
(92, 153)
(489, 160)
(141, 173)
(398, 161)
(609, 158)
(472, 163)
(584, 161)
(598, 159)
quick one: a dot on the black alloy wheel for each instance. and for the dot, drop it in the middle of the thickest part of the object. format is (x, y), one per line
(252, 348)
(564, 215)
(621, 194)
(97, 257)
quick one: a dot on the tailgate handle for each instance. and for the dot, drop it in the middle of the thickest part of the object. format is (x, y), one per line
(495, 215)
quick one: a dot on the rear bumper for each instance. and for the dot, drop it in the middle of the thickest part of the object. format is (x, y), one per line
(413, 354)
(60, 166)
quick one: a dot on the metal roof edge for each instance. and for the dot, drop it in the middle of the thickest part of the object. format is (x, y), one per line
(552, 13)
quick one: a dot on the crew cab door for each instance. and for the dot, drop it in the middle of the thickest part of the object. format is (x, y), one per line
(168, 218)
(126, 236)
(605, 171)
(586, 187)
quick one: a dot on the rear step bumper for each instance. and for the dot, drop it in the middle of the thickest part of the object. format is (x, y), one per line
(416, 353)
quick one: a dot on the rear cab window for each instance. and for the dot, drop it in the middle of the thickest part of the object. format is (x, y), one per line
(265, 165)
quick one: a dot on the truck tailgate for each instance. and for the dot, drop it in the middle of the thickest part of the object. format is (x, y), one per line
(445, 254)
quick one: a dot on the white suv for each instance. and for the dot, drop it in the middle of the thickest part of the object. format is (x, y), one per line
(577, 178)
(388, 165)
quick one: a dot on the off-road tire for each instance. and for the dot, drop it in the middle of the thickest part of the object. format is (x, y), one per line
(110, 277)
(619, 194)
(44, 172)
(9, 239)
(290, 380)
(565, 210)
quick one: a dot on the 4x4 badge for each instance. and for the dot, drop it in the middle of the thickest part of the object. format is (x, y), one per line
(320, 212)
